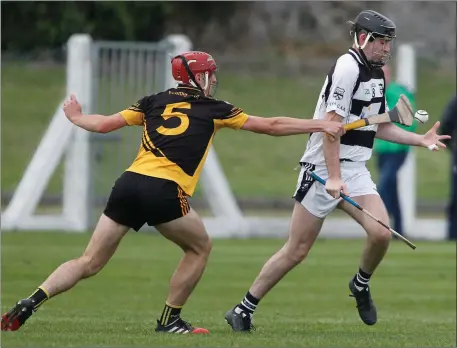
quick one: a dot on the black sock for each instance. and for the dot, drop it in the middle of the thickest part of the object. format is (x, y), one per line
(361, 279)
(39, 296)
(169, 314)
(249, 303)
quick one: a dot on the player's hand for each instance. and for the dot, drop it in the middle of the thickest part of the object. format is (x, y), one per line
(334, 186)
(334, 129)
(72, 109)
(433, 138)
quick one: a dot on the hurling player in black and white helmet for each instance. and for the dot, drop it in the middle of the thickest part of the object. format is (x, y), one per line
(373, 35)
(353, 89)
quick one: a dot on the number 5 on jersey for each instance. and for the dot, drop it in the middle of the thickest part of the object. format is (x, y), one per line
(169, 113)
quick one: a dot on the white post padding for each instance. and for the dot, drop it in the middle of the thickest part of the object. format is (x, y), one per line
(60, 135)
(39, 171)
(428, 229)
(76, 203)
(180, 43)
(406, 71)
(406, 75)
(217, 189)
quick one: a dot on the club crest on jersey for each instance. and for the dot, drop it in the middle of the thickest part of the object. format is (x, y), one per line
(339, 93)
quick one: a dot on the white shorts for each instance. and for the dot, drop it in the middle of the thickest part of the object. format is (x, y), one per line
(313, 196)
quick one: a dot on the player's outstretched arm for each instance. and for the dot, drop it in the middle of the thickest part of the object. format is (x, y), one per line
(283, 126)
(92, 123)
(392, 133)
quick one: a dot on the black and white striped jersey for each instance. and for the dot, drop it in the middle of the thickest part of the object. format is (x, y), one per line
(353, 90)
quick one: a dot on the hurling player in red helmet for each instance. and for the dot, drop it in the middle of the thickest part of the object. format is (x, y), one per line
(202, 75)
(179, 125)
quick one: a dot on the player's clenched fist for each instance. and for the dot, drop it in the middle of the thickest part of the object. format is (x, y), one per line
(334, 128)
(72, 108)
(334, 186)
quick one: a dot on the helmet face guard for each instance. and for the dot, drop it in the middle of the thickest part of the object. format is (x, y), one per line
(380, 31)
(212, 86)
(203, 63)
(380, 53)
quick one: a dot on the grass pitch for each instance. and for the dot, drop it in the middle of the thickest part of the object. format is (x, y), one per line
(415, 292)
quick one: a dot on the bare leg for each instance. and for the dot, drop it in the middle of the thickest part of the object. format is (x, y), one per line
(379, 237)
(101, 247)
(376, 247)
(189, 233)
(304, 229)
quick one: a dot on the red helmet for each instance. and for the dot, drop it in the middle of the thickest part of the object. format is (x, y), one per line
(197, 62)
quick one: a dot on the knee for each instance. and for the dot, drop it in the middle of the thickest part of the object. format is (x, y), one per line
(296, 252)
(202, 247)
(380, 236)
(90, 265)
(207, 246)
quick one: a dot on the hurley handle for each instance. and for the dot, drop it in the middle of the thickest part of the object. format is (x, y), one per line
(323, 182)
(356, 124)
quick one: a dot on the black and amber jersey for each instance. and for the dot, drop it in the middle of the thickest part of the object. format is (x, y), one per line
(178, 129)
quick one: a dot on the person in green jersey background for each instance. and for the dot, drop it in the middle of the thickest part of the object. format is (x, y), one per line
(391, 156)
(449, 125)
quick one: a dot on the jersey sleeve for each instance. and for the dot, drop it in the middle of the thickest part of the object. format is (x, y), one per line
(225, 115)
(341, 83)
(134, 115)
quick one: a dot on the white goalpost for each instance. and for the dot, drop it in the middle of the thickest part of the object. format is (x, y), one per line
(406, 75)
(63, 141)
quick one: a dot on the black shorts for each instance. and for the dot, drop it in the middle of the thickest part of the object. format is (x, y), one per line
(137, 199)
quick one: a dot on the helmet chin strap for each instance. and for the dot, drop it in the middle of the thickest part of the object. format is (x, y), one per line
(197, 85)
(206, 80)
(372, 62)
(356, 41)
